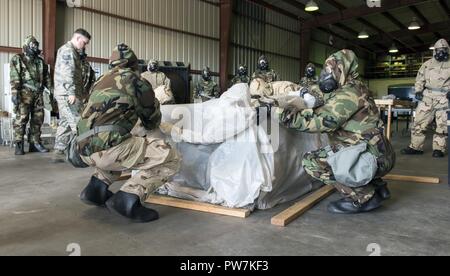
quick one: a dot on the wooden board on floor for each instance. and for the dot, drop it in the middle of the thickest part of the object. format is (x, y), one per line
(198, 206)
(291, 214)
(418, 179)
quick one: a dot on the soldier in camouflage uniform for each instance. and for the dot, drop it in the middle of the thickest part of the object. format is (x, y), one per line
(159, 81)
(432, 87)
(241, 76)
(350, 117)
(87, 75)
(117, 101)
(69, 90)
(29, 76)
(264, 72)
(310, 77)
(207, 89)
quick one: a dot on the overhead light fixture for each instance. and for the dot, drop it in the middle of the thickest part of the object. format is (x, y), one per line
(393, 49)
(414, 25)
(311, 6)
(432, 47)
(363, 35)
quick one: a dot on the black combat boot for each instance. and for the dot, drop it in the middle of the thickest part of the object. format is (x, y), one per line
(20, 148)
(129, 205)
(96, 193)
(38, 148)
(382, 189)
(411, 151)
(348, 206)
(438, 154)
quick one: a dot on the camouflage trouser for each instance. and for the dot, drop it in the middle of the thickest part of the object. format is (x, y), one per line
(316, 165)
(434, 106)
(30, 108)
(155, 160)
(69, 115)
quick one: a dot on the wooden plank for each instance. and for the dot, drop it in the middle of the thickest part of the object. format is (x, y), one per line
(198, 206)
(418, 179)
(291, 214)
(14, 50)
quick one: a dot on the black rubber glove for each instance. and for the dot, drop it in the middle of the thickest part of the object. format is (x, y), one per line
(419, 96)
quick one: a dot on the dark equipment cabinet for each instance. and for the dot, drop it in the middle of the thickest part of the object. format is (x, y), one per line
(180, 79)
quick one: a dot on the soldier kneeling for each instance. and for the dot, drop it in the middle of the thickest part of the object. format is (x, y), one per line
(117, 101)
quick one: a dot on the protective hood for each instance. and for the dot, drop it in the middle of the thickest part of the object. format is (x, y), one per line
(123, 56)
(441, 43)
(343, 65)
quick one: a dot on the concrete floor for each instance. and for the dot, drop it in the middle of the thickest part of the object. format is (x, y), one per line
(41, 214)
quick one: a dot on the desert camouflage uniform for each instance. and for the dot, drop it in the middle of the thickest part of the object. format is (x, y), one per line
(434, 80)
(240, 79)
(158, 79)
(267, 75)
(350, 117)
(117, 101)
(68, 82)
(28, 77)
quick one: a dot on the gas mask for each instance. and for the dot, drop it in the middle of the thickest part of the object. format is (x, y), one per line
(242, 71)
(263, 65)
(206, 74)
(32, 49)
(442, 54)
(153, 66)
(310, 72)
(327, 83)
(83, 54)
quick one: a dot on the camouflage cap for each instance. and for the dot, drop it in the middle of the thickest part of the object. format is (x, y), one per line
(124, 56)
(441, 43)
(29, 39)
(343, 65)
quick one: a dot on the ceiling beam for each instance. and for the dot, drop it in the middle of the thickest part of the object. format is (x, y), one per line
(445, 7)
(364, 48)
(400, 25)
(417, 49)
(352, 32)
(295, 4)
(275, 8)
(426, 29)
(335, 4)
(360, 11)
(385, 35)
(420, 15)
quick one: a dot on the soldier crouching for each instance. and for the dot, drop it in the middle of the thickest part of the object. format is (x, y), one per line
(116, 102)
